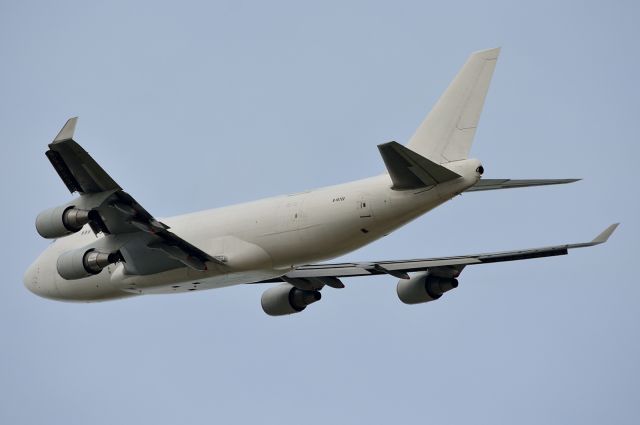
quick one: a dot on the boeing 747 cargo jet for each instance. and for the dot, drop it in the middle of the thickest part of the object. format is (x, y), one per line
(108, 246)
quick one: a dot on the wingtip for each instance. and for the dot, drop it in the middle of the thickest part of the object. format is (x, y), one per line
(606, 233)
(566, 181)
(67, 130)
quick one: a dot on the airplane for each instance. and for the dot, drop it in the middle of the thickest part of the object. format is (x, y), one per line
(107, 246)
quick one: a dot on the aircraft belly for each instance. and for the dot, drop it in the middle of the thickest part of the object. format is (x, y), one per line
(93, 288)
(206, 282)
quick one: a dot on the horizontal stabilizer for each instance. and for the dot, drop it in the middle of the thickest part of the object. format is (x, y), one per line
(495, 184)
(409, 170)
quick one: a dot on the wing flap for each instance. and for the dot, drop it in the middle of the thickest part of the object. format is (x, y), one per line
(121, 213)
(63, 171)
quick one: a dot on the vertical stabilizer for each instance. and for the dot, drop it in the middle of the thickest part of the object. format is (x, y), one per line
(447, 132)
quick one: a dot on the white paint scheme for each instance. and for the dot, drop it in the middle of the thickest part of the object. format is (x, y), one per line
(261, 239)
(270, 238)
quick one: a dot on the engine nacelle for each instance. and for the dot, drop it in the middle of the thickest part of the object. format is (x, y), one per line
(83, 263)
(287, 299)
(423, 288)
(61, 221)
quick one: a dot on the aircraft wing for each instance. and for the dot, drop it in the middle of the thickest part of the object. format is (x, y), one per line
(115, 212)
(443, 266)
(494, 184)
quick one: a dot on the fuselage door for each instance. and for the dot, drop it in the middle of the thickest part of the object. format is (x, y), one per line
(289, 215)
(364, 208)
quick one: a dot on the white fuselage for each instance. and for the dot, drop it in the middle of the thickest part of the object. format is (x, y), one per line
(259, 240)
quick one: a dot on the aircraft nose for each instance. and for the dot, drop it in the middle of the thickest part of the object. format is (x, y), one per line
(30, 278)
(37, 279)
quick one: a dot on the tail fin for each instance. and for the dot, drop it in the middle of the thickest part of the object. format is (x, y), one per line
(447, 132)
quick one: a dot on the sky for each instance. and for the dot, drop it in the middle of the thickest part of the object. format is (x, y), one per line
(193, 105)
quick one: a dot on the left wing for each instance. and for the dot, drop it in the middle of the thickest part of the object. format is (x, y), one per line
(116, 213)
(442, 266)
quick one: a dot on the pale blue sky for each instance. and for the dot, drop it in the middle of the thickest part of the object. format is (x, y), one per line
(194, 105)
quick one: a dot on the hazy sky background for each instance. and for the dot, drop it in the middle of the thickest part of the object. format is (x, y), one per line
(192, 105)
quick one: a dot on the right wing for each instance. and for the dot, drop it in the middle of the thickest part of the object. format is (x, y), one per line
(494, 184)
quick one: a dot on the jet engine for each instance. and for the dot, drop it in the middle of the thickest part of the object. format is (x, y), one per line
(83, 263)
(287, 299)
(423, 288)
(61, 221)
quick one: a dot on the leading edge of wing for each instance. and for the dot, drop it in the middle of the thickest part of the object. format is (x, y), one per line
(415, 265)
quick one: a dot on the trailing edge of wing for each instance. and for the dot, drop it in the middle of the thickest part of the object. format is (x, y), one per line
(457, 262)
(495, 184)
(409, 170)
